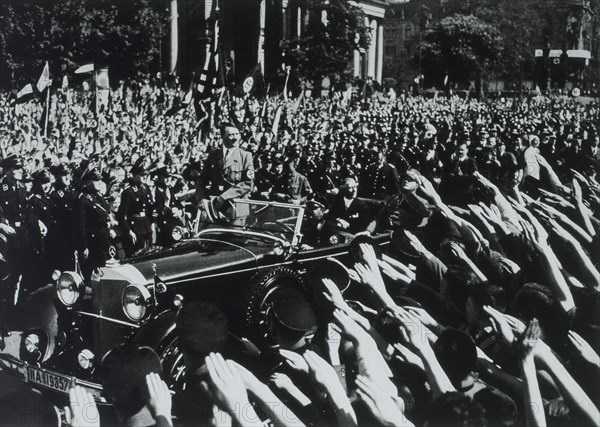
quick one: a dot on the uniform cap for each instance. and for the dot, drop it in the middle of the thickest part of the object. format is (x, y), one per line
(138, 167)
(41, 177)
(12, 162)
(60, 170)
(91, 174)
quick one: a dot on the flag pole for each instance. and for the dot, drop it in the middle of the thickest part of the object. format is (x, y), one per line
(287, 77)
(47, 111)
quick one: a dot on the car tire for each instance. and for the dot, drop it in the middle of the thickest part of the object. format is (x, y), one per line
(262, 284)
(173, 364)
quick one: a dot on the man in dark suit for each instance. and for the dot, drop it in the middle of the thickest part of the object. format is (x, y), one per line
(347, 213)
(228, 174)
(457, 183)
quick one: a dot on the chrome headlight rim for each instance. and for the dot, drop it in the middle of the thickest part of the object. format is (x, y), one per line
(73, 282)
(139, 296)
(33, 337)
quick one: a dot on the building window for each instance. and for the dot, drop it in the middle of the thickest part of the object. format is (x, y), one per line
(390, 50)
(408, 32)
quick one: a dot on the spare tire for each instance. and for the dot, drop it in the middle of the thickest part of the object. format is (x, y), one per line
(280, 288)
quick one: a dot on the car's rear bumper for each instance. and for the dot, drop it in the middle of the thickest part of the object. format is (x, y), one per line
(46, 379)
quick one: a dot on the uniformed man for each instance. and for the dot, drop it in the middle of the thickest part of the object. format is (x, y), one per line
(92, 223)
(13, 201)
(291, 186)
(381, 179)
(166, 207)
(135, 212)
(63, 197)
(42, 226)
(228, 174)
(12, 193)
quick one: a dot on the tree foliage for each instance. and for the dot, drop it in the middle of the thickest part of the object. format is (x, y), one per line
(327, 49)
(522, 24)
(123, 35)
(462, 46)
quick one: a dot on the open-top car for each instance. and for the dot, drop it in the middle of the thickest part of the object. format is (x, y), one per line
(71, 324)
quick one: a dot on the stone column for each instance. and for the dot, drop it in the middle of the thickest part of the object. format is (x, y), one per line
(372, 50)
(379, 73)
(174, 41)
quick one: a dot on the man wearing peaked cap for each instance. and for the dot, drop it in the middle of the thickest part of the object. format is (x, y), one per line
(136, 210)
(13, 202)
(91, 223)
(64, 199)
(12, 192)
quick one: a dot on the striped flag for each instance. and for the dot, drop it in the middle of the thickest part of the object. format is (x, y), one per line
(205, 89)
(87, 68)
(44, 80)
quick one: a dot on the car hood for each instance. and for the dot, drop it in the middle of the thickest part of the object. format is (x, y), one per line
(201, 257)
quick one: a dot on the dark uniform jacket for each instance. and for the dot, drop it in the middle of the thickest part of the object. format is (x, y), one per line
(166, 220)
(135, 211)
(13, 199)
(91, 225)
(40, 208)
(294, 187)
(64, 200)
(380, 181)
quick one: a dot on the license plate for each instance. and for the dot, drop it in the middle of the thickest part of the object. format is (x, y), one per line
(53, 381)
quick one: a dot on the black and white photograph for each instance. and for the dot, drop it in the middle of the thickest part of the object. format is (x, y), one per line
(299, 213)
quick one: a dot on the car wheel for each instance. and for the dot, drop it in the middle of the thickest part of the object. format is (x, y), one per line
(172, 362)
(262, 286)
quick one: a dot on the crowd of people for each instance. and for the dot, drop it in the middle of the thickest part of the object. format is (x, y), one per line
(483, 312)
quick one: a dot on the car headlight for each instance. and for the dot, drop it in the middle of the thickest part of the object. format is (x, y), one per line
(69, 287)
(136, 300)
(34, 344)
(85, 358)
(177, 233)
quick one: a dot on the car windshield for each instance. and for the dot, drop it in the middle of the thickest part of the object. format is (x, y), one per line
(280, 220)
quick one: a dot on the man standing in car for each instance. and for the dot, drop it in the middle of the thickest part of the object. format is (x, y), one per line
(228, 174)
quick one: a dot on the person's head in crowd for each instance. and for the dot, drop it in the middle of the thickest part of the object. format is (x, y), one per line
(457, 355)
(500, 409)
(278, 166)
(230, 134)
(535, 300)
(42, 181)
(411, 181)
(27, 182)
(289, 166)
(114, 201)
(462, 151)
(91, 181)
(455, 409)
(12, 166)
(123, 373)
(438, 228)
(349, 188)
(201, 328)
(120, 174)
(62, 174)
(138, 171)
